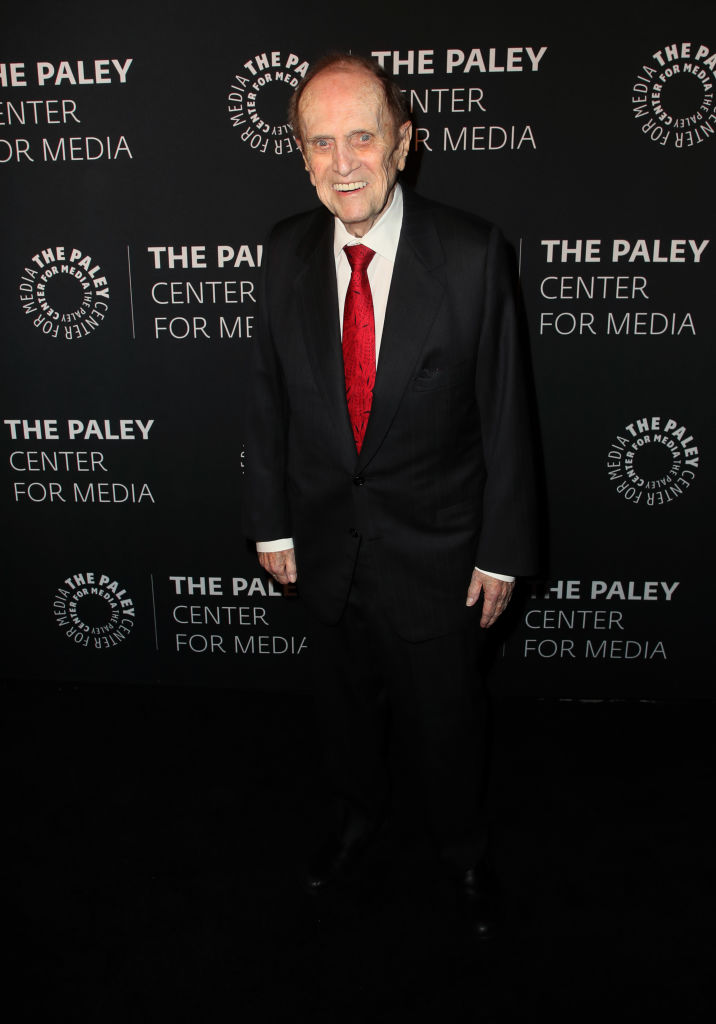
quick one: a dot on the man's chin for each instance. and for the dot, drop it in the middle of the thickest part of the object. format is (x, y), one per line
(356, 218)
(354, 221)
(351, 210)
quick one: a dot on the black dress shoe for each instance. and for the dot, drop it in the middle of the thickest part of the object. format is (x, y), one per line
(341, 854)
(477, 896)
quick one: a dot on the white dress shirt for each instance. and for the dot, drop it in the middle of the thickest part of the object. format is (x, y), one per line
(383, 239)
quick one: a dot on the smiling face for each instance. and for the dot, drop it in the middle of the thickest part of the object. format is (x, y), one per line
(351, 149)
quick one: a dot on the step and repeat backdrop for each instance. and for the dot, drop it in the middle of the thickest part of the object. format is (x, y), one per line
(144, 154)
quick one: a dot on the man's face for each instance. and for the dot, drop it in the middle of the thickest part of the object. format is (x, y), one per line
(351, 149)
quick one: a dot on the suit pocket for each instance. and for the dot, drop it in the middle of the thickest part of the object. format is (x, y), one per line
(437, 378)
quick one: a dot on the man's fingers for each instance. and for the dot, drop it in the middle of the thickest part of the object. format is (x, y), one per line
(492, 608)
(291, 568)
(280, 564)
(496, 599)
(496, 596)
(474, 590)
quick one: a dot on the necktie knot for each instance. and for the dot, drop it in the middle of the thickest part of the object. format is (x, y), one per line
(359, 256)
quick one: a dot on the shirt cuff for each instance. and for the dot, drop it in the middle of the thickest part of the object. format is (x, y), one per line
(497, 575)
(282, 544)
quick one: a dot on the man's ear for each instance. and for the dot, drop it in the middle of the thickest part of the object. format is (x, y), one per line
(405, 134)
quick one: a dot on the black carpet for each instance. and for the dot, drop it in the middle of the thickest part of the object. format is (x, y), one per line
(157, 838)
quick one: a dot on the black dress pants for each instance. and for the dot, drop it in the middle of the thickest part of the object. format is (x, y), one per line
(375, 690)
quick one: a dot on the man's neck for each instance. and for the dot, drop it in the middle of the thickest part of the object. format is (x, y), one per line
(388, 224)
(386, 209)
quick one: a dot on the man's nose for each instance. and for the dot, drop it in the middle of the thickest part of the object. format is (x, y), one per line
(344, 158)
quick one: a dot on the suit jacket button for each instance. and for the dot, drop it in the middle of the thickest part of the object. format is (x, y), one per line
(359, 480)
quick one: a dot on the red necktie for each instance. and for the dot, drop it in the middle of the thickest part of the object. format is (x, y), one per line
(359, 341)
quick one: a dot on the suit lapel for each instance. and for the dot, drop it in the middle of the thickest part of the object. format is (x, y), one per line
(318, 303)
(416, 294)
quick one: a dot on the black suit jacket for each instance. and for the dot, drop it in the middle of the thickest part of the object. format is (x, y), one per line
(444, 480)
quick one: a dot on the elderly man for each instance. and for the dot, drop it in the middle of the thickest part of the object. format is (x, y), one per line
(390, 470)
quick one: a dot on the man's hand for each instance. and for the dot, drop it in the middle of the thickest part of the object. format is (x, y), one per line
(280, 564)
(496, 596)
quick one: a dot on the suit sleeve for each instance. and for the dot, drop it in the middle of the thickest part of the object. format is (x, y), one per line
(508, 536)
(265, 506)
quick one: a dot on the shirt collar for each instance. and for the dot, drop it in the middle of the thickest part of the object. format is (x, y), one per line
(382, 238)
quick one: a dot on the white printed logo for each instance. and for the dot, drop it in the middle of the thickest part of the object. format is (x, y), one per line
(258, 99)
(673, 95)
(653, 462)
(93, 610)
(65, 292)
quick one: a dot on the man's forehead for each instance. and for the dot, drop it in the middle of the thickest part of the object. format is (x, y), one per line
(355, 84)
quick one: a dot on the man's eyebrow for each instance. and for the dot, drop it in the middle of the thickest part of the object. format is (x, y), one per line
(355, 131)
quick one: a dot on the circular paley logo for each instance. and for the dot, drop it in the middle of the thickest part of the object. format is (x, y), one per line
(258, 99)
(65, 292)
(673, 95)
(653, 461)
(93, 610)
